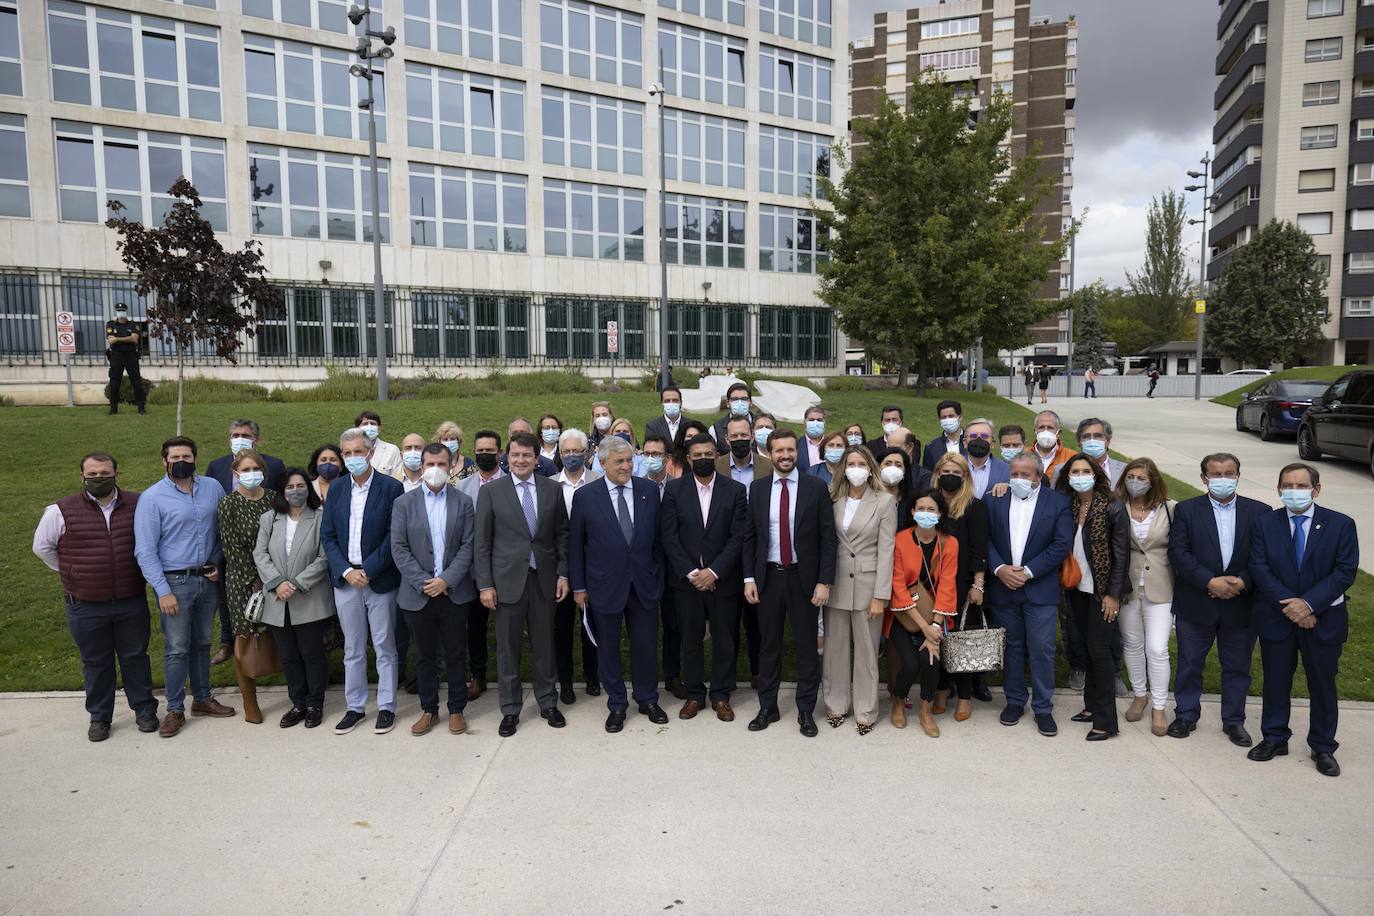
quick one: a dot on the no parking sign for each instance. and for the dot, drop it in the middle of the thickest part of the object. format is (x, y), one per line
(66, 333)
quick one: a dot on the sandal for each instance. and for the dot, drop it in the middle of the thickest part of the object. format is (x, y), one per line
(862, 729)
(835, 721)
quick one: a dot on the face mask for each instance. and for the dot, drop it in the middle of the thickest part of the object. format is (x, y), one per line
(653, 465)
(891, 475)
(1021, 488)
(889, 428)
(671, 410)
(926, 520)
(833, 455)
(602, 423)
(412, 460)
(761, 437)
(250, 480)
(856, 476)
(486, 462)
(98, 486)
(1297, 501)
(815, 428)
(1082, 483)
(451, 445)
(739, 408)
(1222, 487)
(950, 483)
(703, 467)
(574, 462)
(371, 431)
(550, 436)
(624, 437)
(239, 443)
(1010, 453)
(435, 477)
(854, 439)
(180, 470)
(356, 465)
(1137, 488)
(295, 498)
(121, 313)
(1094, 448)
(327, 472)
(949, 424)
(740, 447)
(1047, 439)
(979, 448)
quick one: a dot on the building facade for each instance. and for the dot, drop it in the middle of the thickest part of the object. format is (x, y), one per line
(519, 151)
(995, 46)
(1294, 140)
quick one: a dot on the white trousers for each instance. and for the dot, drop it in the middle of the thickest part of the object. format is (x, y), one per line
(1145, 630)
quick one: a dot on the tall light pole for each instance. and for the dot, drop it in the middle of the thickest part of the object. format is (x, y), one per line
(358, 15)
(658, 91)
(1073, 248)
(1205, 175)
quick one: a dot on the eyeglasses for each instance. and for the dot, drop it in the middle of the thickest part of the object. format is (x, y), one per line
(986, 437)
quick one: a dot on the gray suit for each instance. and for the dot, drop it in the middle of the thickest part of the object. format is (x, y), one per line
(413, 550)
(306, 569)
(469, 487)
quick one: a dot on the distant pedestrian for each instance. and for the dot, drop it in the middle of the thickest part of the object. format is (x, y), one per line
(1043, 374)
(1153, 374)
(1090, 383)
(122, 341)
(1028, 376)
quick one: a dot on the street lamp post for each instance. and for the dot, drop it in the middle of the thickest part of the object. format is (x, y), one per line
(1205, 175)
(357, 15)
(658, 91)
(1073, 247)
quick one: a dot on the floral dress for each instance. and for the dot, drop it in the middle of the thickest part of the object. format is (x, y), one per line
(238, 535)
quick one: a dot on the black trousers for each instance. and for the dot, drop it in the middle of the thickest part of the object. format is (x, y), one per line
(749, 616)
(694, 611)
(1099, 686)
(917, 665)
(642, 624)
(104, 631)
(565, 623)
(440, 627)
(304, 661)
(783, 597)
(478, 619)
(122, 361)
(672, 635)
(226, 622)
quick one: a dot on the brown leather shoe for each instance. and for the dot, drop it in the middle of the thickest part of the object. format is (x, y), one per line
(474, 689)
(689, 710)
(212, 707)
(423, 724)
(723, 711)
(898, 715)
(222, 654)
(963, 710)
(171, 724)
(927, 720)
(676, 688)
(456, 723)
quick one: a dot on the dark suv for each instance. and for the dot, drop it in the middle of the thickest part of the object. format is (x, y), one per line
(1340, 421)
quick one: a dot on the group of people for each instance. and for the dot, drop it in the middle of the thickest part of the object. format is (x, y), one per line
(859, 547)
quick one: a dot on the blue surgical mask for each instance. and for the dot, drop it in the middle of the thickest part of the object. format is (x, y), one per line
(412, 460)
(671, 410)
(451, 445)
(1094, 448)
(1222, 487)
(653, 464)
(573, 461)
(625, 437)
(739, 408)
(357, 464)
(1297, 501)
(854, 439)
(815, 428)
(250, 480)
(761, 436)
(239, 443)
(833, 455)
(371, 431)
(949, 424)
(927, 519)
(1010, 453)
(1020, 487)
(1082, 483)
(550, 435)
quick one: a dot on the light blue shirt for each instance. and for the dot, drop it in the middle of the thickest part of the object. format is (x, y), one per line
(174, 529)
(1225, 515)
(614, 488)
(744, 475)
(436, 508)
(980, 477)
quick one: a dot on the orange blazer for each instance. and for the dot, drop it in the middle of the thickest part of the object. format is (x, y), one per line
(907, 559)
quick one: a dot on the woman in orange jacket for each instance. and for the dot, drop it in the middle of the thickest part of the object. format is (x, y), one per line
(926, 556)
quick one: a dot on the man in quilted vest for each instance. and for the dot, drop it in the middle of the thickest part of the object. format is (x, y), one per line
(88, 539)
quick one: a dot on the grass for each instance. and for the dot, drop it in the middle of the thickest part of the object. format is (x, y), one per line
(1316, 373)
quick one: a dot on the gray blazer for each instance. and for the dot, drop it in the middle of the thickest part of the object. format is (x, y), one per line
(308, 569)
(863, 552)
(413, 550)
(503, 544)
(469, 486)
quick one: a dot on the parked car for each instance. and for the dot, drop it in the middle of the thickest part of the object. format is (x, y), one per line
(1340, 421)
(1250, 372)
(1276, 407)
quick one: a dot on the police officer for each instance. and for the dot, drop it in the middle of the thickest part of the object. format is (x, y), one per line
(121, 348)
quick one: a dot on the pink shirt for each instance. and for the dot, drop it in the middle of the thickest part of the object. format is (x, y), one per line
(704, 497)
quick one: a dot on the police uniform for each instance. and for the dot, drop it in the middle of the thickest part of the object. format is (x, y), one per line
(123, 358)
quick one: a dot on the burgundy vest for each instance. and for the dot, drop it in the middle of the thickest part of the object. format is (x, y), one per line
(95, 563)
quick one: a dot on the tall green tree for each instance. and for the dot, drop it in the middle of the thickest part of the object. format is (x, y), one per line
(1121, 322)
(1270, 303)
(933, 237)
(1161, 286)
(1090, 340)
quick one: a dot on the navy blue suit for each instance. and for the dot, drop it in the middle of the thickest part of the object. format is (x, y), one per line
(822, 471)
(998, 472)
(1328, 567)
(620, 580)
(936, 449)
(1029, 613)
(383, 491)
(1199, 619)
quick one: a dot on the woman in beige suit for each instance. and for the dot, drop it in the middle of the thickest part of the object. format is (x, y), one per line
(297, 598)
(865, 525)
(1147, 616)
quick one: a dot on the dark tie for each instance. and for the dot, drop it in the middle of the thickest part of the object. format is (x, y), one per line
(627, 527)
(1299, 538)
(784, 528)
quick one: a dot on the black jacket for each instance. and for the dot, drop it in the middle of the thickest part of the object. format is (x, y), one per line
(814, 541)
(1118, 564)
(221, 470)
(719, 545)
(1195, 556)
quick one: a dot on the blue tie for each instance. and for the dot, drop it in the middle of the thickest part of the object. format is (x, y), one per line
(627, 527)
(1299, 538)
(527, 502)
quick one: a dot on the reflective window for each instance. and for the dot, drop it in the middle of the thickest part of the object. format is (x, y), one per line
(731, 11)
(593, 221)
(136, 167)
(794, 85)
(485, 29)
(464, 112)
(308, 89)
(575, 328)
(704, 149)
(466, 209)
(113, 59)
(325, 15)
(800, 335)
(701, 65)
(804, 20)
(791, 241)
(706, 330)
(11, 76)
(593, 132)
(703, 232)
(306, 194)
(328, 322)
(21, 330)
(447, 325)
(14, 167)
(592, 42)
(790, 162)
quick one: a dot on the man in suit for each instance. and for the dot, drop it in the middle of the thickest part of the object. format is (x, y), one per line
(1303, 560)
(705, 524)
(951, 417)
(654, 468)
(789, 567)
(486, 455)
(521, 571)
(1094, 437)
(1030, 532)
(891, 418)
(544, 467)
(740, 407)
(903, 439)
(809, 446)
(431, 543)
(739, 462)
(986, 471)
(386, 457)
(356, 535)
(670, 399)
(1209, 552)
(615, 562)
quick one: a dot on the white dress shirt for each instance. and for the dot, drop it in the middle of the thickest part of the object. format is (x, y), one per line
(612, 486)
(570, 486)
(357, 502)
(436, 508)
(407, 484)
(290, 533)
(851, 506)
(672, 426)
(774, 526)
(52, 526)
(1085, 585)
(1019, 516)
(952, 445)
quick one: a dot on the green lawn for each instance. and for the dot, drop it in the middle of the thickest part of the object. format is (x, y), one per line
(1316, 373)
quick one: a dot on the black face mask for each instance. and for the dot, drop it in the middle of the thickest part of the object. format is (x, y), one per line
(950, 483)
(486, 462)
(979, 448)
(327, 471)
(740, 447)
(99, 486)
(703, 467)
(180, 470)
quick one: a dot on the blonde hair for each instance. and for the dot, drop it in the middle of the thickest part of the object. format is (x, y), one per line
(839, 483)
(959, 500)
(449, 430)
(629, 427)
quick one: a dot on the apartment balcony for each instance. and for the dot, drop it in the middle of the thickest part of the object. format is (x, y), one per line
(1251, 136)
(1247, 215)
(1364, 62)
(1227, 14)
(1255, 54)
(1364, 17)
(1257, 13)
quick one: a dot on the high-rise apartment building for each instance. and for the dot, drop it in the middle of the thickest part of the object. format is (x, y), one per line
(992, 46)
(1295, 83)
(519, 149)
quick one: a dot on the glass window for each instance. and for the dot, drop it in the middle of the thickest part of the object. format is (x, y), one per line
(14, 167)
(466, 209)
(706, 331)
(1008, 23)
(791, 240)
(1327, 92)
(316, 195)
(1362, 173)
(484, 29)
(11, 75)
(21, 330)
(804, 20)
(1316, 180)
(1315, 223)
(704, 149)
(593, 132)
(1321, 136)
(1359, 308)
(794, 85)
(593, 221)
(945, 28)
(1319, 49)
(729, 11)
(461, 112)
(591, 41)
(1361, 219)
(324, 15)
(1320, 9)
(800, 335)
(1360, 262)
(792, 162)
(703, 232)
(1364, 129)
(701, 65)
(308, 89)
(575, 328)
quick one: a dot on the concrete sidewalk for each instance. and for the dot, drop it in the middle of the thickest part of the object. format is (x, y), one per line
(699, 817)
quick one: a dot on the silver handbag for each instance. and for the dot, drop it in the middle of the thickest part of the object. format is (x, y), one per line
(252, 611)
(973, 651)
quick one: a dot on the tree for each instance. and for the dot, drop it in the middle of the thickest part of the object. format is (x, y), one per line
(201, 292)
(1119, 313)
(933, 237)
(1270, 302)
(1090, 341)
(1161, 286)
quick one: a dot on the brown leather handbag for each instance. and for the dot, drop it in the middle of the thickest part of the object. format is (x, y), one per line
(256, 655)
(1069, 573)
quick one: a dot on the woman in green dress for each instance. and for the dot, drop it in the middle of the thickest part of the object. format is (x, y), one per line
(239, 514)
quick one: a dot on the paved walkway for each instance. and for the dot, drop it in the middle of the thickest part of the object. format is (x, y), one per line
(696, 817)
(1176, 433)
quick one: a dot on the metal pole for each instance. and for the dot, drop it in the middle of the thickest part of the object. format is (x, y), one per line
(1073, 249)
(663, 371)
(1202, 273)
(71, 402)
(378, 298)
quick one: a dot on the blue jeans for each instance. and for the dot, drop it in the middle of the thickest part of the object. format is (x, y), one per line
(187, 636)
(1030, 635)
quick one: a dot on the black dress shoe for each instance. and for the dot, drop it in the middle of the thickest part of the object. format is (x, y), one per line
(411, 685)
(1094, 735)
(1326, 763)
(980, 688)
(566, 694)
(1181, 728)
(1238, 735)
(98, 731)
(314, 715)
(675, 686)
(147, 722)
(294, 716)
(508, 726)
(1268, 750)
(615, 721)
(655, 714)
(553, 717)
(1083, 716)
(594, 688)
(807, 723)
(763, 719)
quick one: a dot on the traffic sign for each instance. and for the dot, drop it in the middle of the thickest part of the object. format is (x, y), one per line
(1200, 306)
(66, 333)
(612, 337)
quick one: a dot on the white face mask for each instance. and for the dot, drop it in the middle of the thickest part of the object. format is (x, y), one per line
(858, 476)
(1137, 488)
(891, 475)
(889, 428)
(603, 423)
(1047, 439)
(434, 477)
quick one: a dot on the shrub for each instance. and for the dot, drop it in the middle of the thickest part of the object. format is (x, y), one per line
(202, 389)
(6, 401)
(844, 383)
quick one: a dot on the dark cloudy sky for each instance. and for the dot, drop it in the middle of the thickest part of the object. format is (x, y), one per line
(1145, 82)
